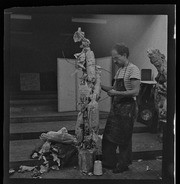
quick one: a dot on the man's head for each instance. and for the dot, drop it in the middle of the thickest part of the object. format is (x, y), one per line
(120, 54)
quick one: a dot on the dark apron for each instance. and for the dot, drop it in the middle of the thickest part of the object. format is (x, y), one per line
(119, 125)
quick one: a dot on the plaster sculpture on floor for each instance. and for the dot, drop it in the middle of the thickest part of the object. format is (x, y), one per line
(159, 61)
(87, 126)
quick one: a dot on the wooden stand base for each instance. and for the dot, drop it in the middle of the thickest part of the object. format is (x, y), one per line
(86, 160)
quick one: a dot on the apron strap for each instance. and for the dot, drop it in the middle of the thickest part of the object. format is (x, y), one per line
(123, 76)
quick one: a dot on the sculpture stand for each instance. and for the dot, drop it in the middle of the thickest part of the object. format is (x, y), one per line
(86, 160)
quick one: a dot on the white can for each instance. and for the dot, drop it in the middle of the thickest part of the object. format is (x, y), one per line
(98, 168)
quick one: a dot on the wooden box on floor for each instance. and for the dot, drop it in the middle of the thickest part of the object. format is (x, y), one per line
(86, 158)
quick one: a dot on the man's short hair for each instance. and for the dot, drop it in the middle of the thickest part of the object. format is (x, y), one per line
(121, 49)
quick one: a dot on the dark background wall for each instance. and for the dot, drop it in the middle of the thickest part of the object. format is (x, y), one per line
(36, 44)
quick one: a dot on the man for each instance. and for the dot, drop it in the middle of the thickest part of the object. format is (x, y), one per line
(119, 125)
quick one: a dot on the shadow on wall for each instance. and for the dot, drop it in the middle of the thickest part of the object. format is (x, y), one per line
(154, 36)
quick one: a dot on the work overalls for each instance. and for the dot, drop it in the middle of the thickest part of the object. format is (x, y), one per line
(118, 130)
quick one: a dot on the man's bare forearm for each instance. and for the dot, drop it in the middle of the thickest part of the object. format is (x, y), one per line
(106, 88)
(127, 93)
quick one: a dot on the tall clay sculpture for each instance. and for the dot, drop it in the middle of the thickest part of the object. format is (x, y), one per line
(159, 61)
(87, 125)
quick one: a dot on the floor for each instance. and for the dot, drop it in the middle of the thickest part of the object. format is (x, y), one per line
(25, 129)
(148, 170)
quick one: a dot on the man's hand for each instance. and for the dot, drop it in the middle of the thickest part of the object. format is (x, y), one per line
(135, 83)
(112, 92)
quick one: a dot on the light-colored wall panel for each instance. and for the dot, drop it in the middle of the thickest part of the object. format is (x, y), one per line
(66, 85)
(106, 79)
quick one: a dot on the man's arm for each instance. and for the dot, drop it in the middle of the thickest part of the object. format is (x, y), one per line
(106, 88)
(135, 83)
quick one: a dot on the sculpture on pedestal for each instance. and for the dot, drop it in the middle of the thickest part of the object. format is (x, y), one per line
(159, 61)
(87, 126)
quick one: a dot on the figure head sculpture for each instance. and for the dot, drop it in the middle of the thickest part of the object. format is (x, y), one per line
(157, 59)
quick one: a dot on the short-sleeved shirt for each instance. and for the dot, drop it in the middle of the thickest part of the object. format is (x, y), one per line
(132, 71)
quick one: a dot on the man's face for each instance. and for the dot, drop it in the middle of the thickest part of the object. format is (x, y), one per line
(118, 59)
